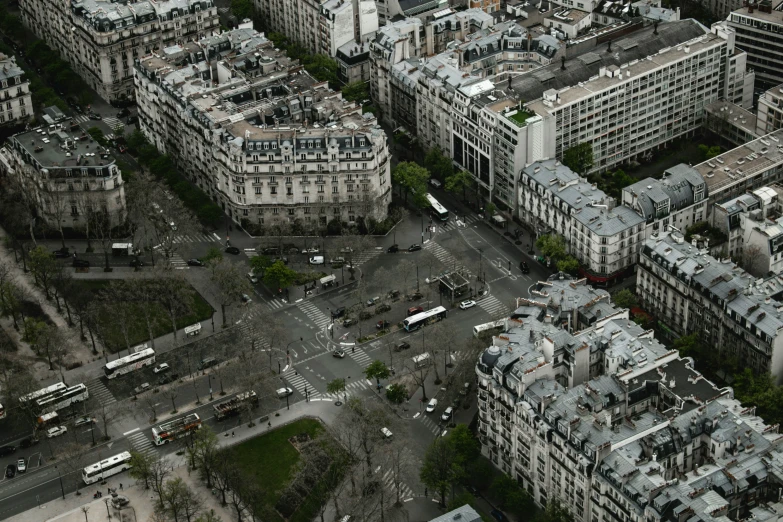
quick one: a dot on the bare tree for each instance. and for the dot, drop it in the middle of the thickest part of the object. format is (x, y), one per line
(72, 459)
(751, 259)
(419, 371)
(117, 299)
(160, 469)
(85, 206)
(230, 282)
(107, 414)
(57, 205)
(175, 295)
(150, 402)
(171, 393)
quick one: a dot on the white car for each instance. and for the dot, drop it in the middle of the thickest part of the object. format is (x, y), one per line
(387, 434)
(284, 392)
(317, 260)
(162, 367)
(447, 413)
(252, 276)
(81, 421)
(464, 305)
(346, 250)
(435, 183)
(311, 250)
(21, 466)
(432, 405)
(56, 431)
(173, 226)
(246, 299)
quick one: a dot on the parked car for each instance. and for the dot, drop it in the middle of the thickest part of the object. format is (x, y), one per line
(415, 295)
(349, 322)
(386, 432)
(122, 148)
(246, 299)
(141, 388)
(338, 353)
(167, 378)
(346, 250)
(21, 465)
(10, 471)
(7, 450)
(382, 308)
(413, 310)
(464, 305)
(382, 324)
(432, 405)
(62, 253)
(364, 315)
(403, 346)
(311, 250)
(435, 183)
(271, 251)
(132, 119)
(123, 113)
(465, 389)
(473, 490)
(162, 367)
(28, 442)
(195, 262)
(80, 263)
(284, 392)
(414, 247)
(393, 249)
(136, 263)
(498, 515)
(81, 421)
(524, 268)
(447, 413)
(317, 260)
(252, 276)
(232, 250)
(56, 431)
(338, 312)
(207, 362)
(371, 301)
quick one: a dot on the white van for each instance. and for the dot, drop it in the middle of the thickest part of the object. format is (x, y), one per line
(420, 361)
(387, 434)
(317, 260)
(328, 281)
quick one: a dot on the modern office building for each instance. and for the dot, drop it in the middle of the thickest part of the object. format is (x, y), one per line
(759, 29)
(101, 40)
(16, 103)
(261, 136)
(605, 238)
(769, 115)
(70, 177)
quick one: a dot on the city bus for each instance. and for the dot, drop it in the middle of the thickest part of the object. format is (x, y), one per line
(437, 209)
(420, 361)
(2, 412)
(72, 395)
(172, 430)
(492, 327)
(106, 468)
(129, 363)
(43, 393)
(415, 322)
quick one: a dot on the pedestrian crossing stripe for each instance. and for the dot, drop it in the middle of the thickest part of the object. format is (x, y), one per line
(113, 122)
(359, 356)
(452, 223)
(389, 482)
(196, 238)
(444, 256)
(301, 384)
(142, 443)
(363, 257)
(351, 389)
(99, 390)
(430, 424)
(493, 306)
(314, 314)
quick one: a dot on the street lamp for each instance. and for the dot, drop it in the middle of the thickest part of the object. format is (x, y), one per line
(62, 489)
(106, 501)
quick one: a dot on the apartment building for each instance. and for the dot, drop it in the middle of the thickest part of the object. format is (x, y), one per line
(750, 166)
(71, 178)
(261, 136)
(759, 30)
(353, 62)
(605, 238)
(731, 122)
(16, 103)
(488, 6)
(678, 199)
(404, 78)
(448, 26)
(391, 10)
(690, 291)
(102, 39)
(769, 115)
(568, 23)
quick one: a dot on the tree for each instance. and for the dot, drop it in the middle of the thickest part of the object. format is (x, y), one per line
(141, 467)
(355, 92)
(688, 345)
(707, 152)
(336, 386)
(439, 469)
(439, 165)
(751, 259)
(568, 264)
(551, 245)
(43, 265)
(625, 299)
(412, 178)
(259, 264)
(397, 393)
(579, 158)
(171, 393)
(464, 444)
(279, 276)
(460, 180)
(175, 295)
(377, 370)
(242, 9)
(107, 414)
(322, 68)
(231, 283)
(555, 511)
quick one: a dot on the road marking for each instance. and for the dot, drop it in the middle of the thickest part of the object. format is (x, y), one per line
(131, 431)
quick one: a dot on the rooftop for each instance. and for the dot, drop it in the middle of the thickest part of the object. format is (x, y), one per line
(8, 67)
(55, 146)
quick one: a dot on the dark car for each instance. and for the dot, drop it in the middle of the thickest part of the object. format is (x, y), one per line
(364, 315)
(338, 312)
(136, 263)
(394, 294)
(123, 113)
(29, 442)
(94, 116)
(349, 322)
(403, 346)
(498, 515)
(195, 262)
(416, 295)
(232, 250)
(524, 268)
(271, 251)
(414, 247)
(382, 308)
(61, 253)
(7, 450)
(473, 490)
(382, 324)
(413, 310)
(10, 471)
(167, 378)
(81, 263)
(393, 249)
(132, 119)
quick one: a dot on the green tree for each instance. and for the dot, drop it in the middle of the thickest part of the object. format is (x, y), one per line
(688, 345)
(708, 152)
(97, 134)
(464, 444)
(551, 246)
(213, 254)
(335, 386)
(555, 511)
(412, 178)
(141, 467)
(460, 180)
(279, 276)
(568, 264)
(355, 92)
(460, 500)
(441, 467)
(377, 370)
(43, 266)
(396, 393)
(625, 299)
(242, 9)
(322, 68)
(579, 158)
(259, 264)
(439, 165)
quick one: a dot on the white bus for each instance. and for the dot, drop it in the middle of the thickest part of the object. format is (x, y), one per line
(492, 327)
(44, 393)
(437, 209)
(73, 395)
(415, 322)
(106, 468)
(129, 363)
(420, 361)
(172, 430)
(2, 412)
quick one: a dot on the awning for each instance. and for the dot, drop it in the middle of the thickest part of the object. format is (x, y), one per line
(497, 218)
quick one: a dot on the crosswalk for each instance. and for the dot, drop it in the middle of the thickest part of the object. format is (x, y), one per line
(388, 483)
(351, 389)
(99, 390)
(251, 329)
(444, 256)
(456, 222)
(113, 123)
(314, 314)
(358, 355)
(198, 238)
(178, 262)
(142, 443)
(429, 423)
(366, 255)
(301, 384)
(494, 307)
(81, 118)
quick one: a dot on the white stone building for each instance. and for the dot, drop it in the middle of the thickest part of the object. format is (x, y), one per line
(261, 136)
(16, 104)
(769, 115)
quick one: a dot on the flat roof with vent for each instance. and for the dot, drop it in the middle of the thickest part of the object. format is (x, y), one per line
(589, 58)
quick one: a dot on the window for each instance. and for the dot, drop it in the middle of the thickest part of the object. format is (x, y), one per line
(289, 191)
(291, 211)
(275, 211)
(273, 190)
(334, 179)
(258, 190)
(334, 190)
(289, 180)
(307, 199)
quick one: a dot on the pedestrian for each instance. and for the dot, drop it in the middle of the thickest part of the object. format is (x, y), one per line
(425, 492)
(269, 424)
(120, 486)
(108, 491)
(353, 349)
(232, 433)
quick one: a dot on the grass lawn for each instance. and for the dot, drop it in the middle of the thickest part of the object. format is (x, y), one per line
(137, 330)
(271, 460)
(520, 117)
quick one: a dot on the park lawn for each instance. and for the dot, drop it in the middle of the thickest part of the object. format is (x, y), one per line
(137, 331)
(272, 461)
